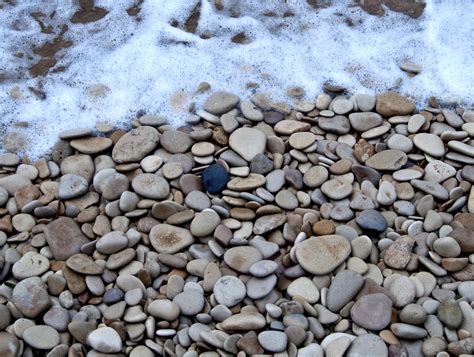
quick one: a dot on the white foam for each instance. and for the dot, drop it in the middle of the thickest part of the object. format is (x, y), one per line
(146, 65)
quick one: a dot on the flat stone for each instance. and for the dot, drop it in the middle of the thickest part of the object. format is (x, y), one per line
(432, 188)
(248, 142)
(323, 254)
(268, 223)
(220, 102)
(105, 339)
(301, 141)
(13, 183)
(430, 144)
(400, 142)
(403, 291)
(64, 237)
(372, 311)
(438, 171)
(242, 258)
(371, 219)
(343, 288)
(398, 255)
(9, 159)
(408, 331)
(365, 121)
(387, 160)
(31, 264)
(390, 104)
(151, 186)
(134, 145)
(251, 182)
(9, 344)
(244, 322)
(229, 290)
(31, 297)
(288, 127)
(91, 145)
(84, 264)
(337, 188)
(286, 199)
(169, 239)
(273, 341)
(368, 345)
(42, 337)
(338, 124)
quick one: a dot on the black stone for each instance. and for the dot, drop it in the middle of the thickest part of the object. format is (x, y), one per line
(215, 178)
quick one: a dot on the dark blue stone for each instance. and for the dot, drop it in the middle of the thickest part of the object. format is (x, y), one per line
(215, 178)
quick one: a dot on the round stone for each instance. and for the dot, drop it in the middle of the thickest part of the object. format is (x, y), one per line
(175, 141)
(215, 178)
(169, 239)
(400, 142)
(413, 314)
(220, 102)
(403, 291)
(71, 186)
(134, 145)
(248, 142)
(229, 290)
(23, 222)
(447, 247)
(112, 242)
(204, 223)
(105, 339)
(337, 188)
(31, 297)
(9, 345)
(342, 106)
(197, 200)
(430, 144)
(321, 255)
(371, 219)
(305, 288)
(273, 341)
(190, 302)
(31, 264)
(203, 149)
(42, 337)
(242, 258)
(372, 311)
(365, 121)
(301, 141)
(258, 288)
(315, 176)
(151, 186)
(286, 199)
(163, 309)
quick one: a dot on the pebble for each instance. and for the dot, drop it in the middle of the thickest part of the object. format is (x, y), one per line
(229, 291)
(373, 220)
(372, 311)
(367, 345)
(273, 341)
(390, 104)
(248, 142)
(323, 254)
(242, 258)
(220, 102)
(336, 189)
(215, 178)
(365, 121)
(387, 160)
(305, 288)
(31, 297)
(343, 288)
(430, 144)
(164, 309)
(31, 264)
(134, 145)
(105, 340)
(41, 337)
(175, 141)
(169, 239)
(151, 186)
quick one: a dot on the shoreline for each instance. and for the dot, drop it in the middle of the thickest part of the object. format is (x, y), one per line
(342, 224)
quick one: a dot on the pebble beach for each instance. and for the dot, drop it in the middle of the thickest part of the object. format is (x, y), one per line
(325, 225)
